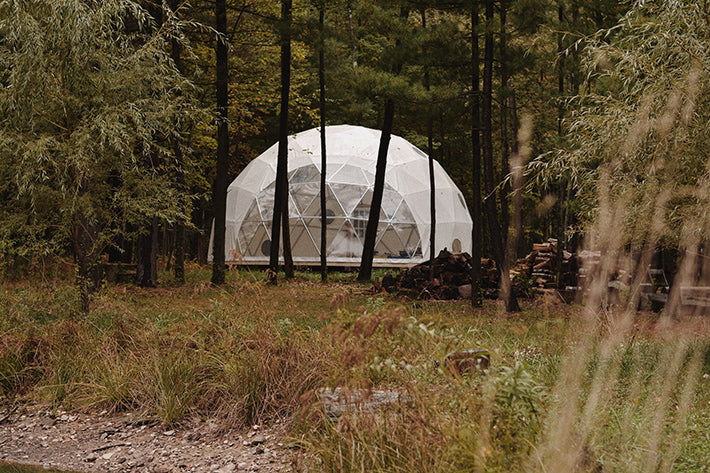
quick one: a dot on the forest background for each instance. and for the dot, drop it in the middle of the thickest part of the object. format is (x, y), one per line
(108, 142)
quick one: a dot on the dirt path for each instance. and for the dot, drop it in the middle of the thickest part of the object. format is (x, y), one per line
(102, 443)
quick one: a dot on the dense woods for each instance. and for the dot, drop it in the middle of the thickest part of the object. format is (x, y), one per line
(121, 122)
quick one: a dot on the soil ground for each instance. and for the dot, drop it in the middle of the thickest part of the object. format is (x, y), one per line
(107, 443)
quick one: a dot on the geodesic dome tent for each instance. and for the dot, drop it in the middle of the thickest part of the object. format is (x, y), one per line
(403, 231)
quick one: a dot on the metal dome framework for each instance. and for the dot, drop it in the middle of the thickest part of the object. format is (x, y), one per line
(403, 230)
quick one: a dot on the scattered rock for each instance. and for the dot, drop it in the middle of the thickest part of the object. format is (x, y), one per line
(228, 468)
(338, 401)
(74, 444)
(460, 362)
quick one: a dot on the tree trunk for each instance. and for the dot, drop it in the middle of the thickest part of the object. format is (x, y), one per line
(220, 185)
(323, 160)
(519, 245)
(283, 128)
(507, 292)
(476, 162)
(88, 269)
(432, 181)
(368, 250)
(147, 256)
(281, 191)
(504, 135)
(179, 240)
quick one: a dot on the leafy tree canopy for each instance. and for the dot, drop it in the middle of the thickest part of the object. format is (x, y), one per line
(90, 108)
(640, 128)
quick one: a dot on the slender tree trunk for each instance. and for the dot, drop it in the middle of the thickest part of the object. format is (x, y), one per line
(432, 181)
(220, 185)
(286, 14)
(353, 39)
(147, 257)
(368, 251)
(323, 160)
(560, 117)
(88, 270)
(518, 206)
(179, 243)
(504, 136)
(507, 292)
(476, 162)
(281, 191)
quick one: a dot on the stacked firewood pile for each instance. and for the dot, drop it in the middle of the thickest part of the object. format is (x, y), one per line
(452, 275)
(540, 266)
(452, 278)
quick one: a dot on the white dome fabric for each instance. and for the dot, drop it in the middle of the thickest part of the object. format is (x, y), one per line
(403, 231)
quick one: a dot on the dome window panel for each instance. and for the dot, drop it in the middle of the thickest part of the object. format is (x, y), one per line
(349, 196)
(389, 244)
(304, 195)
(257, 241)
(350, 175)
(303, 174)
(246, 234)
(302, 243)
(253, 215)
(345, 243)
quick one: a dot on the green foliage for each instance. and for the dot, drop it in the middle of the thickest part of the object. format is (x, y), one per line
(640, 126)
(90, 108)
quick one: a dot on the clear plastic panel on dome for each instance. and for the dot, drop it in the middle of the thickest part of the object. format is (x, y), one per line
(308, 173)
(292, 211)
(359, 219)
(331, 204)
(253, 215)
(304, 195)
(391, 201)
(246, 235)
(367, 201)
(256, 246)
(302, 244)
(410, 237)
(348, 196)
(332, 168)
(389, 244)
(346, 243)
(313, 227)
(403, 215)
(350, 175)
(265, 198)
(334, 226)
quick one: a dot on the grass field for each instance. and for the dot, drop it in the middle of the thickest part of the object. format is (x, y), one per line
(568, 389)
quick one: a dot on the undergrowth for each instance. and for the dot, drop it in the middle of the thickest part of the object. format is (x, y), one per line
(562, 391)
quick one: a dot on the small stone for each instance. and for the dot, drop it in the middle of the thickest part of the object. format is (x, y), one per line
(90, 458)
(228, 468)
(257, 440)
(107, 456)
(161, 469)
(242, 465)
(259, 451)
(169, 433)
